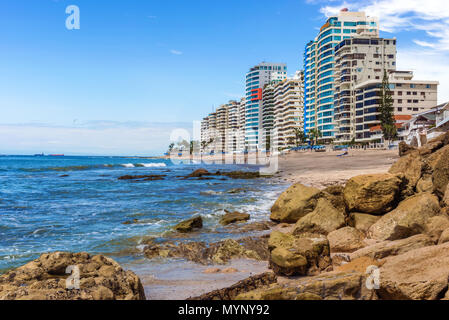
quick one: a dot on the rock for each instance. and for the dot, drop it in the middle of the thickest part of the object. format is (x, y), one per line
(131, 221)
(143, 177)
(372, 193)
(212, 270)
(420, 274)
(440, 176)
(295, 203)
(233, 217)
(101, 278)
(335, 195)
(241, 174)
(240, 287)
(229, 249)
(405, 149)
(230, 270)
(236, 190)
(411, 167)
(444, 237)
(255, 226)
(189, 225)
(346, 239)
(199, 173)
(408, 219)
(446, 197)
(387, 248)
(358, 265)
(436, 225)
(292, 255)
(424, 184)
(362, 221)
(324, 219)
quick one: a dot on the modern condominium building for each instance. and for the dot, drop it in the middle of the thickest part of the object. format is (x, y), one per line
(410, 97)
(357, 60)
(256, 79)
(319, 67)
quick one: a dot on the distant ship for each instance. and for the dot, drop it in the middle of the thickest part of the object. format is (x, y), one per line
(39, 155)
(56, 155)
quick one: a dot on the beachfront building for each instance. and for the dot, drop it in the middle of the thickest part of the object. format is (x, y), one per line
(360, 59)
(241, 120)
(319, 68)
(288, 110)
(256, 79)
(410, 97)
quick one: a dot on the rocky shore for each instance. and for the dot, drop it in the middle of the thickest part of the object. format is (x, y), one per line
(375, 236)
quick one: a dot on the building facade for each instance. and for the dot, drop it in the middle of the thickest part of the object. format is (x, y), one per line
(319, 68)
(256, 79)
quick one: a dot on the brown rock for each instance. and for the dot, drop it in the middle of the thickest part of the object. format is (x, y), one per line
(212, 270)
(387, 248)
(420, 274)
(358, 265)
(101, 278)
(199, 173)
(372, 193)
(407, 219)
(405, 149)
(346, 239)
(440, 176)
(189, 225)
(362, 221)
(411, 167)
(324, 219)
(436, 225)
(444, 237)
(233, 217)
(424, 184)
(295, 203)
(446, 197)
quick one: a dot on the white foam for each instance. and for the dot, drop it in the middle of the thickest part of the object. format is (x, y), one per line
(153, 165)
(128, 165)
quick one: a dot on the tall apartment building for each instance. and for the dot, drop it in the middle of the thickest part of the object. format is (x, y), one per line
(410, 97)
(357, 60)
(319, 67)
(256, 79)
(242, 122)
(288, 109)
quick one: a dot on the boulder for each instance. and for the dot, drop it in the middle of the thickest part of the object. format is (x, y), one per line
(199, 173)
(411, 168)
(446, 197)
(408, 219)
(101, 278)
(436, 225)
(362, 221)
(233, 217)
(291, 255)
(335, 195)
(440, 176)
(424, 184)
(387, 248)
(405, 149)
(295, 203)
(324, 219)
(189, 225)
(346, 239)
(444, 237)
(420, 274)
(372, 193)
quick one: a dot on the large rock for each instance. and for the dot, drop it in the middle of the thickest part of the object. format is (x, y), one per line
(387, 248)
(440, 175)
(101, 278)
(444, 237)
(408, 219)
(295, 203)
(346, 239)
(411, 167)
(324, 219)
(372, 193)
(446, 197)
(420, 274)
(189, 225)
(291, 255)
(436, 225)
(405, 149)
(362, 221)
(424, 184)
(233, 217)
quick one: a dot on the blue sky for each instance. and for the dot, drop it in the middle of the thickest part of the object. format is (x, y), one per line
(137, 69)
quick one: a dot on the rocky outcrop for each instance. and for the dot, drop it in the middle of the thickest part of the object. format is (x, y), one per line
(189, 225)
(153, 177)
(411, 167)
(387, 248)
(424, 184)
(294, 203)
(346, 239)
(436, 225)
(324, 219)
(101, 278)
(362, 221)
(420, 274)
(372, 193)
(444, 237)
(298, 255)
(446, 197)
(408, 219)
(405, 149)
(440, 176)
(233, 217)
(241, 287)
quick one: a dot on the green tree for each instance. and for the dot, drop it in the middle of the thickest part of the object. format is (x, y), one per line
(300, 136)
(170, 147)
(386, 117)
(193, 146)
(315, 134)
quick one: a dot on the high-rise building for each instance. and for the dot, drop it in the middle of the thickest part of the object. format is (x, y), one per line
(257, 77)
(359, 59)
(319, 67)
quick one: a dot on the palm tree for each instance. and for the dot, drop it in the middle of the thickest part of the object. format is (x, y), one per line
(300, 136)
(315, 134)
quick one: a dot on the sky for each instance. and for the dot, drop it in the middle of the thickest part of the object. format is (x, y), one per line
(136, 70)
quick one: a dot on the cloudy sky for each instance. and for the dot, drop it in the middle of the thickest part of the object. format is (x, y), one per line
(136, 70)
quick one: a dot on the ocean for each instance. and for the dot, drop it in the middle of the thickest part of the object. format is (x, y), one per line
(78, 204)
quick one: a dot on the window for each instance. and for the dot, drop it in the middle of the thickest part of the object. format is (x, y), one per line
(415, 93)
(399, 93)
(400, 101)
(412, 86)
(400, 109)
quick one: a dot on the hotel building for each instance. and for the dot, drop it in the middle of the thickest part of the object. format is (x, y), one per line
(319, 68)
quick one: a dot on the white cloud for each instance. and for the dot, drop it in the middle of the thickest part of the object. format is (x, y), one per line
(176, 52)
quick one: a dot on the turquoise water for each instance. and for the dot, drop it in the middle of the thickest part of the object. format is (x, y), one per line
(78, 204)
